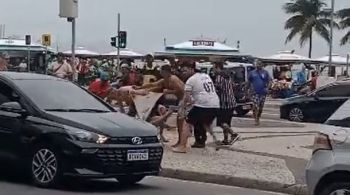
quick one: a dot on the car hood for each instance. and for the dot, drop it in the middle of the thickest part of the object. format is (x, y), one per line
(295, 99)
(112, 124)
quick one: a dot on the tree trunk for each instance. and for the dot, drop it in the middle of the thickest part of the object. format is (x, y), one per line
(310, 45)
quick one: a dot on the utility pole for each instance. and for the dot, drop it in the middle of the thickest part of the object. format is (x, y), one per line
(118, 46)
(331, 71)
(73, 48)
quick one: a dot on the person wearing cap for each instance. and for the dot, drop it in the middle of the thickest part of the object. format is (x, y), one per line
(150, 70)
(101, 86)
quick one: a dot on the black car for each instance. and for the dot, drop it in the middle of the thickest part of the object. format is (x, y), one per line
(318, 105)
(56, 129)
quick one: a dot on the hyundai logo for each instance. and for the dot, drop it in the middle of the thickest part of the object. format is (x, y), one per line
(136, 140)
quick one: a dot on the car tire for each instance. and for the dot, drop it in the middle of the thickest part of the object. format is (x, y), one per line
(46, 167)
(240, 112)
(296, 114)
(128, 180)
(335, 187)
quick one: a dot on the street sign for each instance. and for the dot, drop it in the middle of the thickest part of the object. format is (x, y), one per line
(46, 40)
(28, 39)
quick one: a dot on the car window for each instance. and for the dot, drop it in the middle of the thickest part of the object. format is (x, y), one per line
(239, 74)
(6, 93)
(335, 91)
(341, 117)
(59, 94)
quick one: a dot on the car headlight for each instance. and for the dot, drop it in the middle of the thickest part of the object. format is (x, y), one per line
(85, 136)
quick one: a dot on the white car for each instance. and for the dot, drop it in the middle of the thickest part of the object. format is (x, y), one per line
(328, 171)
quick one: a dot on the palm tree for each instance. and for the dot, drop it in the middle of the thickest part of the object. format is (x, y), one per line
(308, 17)
(344, 14)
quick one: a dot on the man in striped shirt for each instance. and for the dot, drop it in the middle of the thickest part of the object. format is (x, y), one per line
(224, 85)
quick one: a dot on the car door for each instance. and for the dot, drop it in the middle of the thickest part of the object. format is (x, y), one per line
(10, 123)
(328, 100)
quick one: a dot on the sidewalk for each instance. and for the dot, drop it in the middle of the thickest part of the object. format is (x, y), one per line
(270, 157)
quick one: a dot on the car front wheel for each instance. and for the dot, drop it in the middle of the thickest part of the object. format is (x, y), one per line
(338, 188)
(45, 167)
(296, 114)
(130, 179)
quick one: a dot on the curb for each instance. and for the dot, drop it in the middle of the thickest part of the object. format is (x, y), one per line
(295, 189)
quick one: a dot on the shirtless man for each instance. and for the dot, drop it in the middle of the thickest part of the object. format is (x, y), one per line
(171, 84)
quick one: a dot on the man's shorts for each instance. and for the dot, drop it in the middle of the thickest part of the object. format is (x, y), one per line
(181, 112)
(259, 100)
(199, 115)
(224, 116)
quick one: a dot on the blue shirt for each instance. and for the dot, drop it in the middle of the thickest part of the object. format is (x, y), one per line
(301, 78)
(259, 80)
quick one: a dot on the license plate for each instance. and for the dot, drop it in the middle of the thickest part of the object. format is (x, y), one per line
(137, 155)
(247, 107)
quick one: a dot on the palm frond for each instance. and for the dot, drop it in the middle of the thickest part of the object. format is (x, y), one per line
(307, 30)
(327, 22)
(296, 21)
(344, 13)
(345, 23)
(291, 8)
(345, 39)
(295, 24)
(322, 31)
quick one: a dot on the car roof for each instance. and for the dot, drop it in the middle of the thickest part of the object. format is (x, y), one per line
(26, 76)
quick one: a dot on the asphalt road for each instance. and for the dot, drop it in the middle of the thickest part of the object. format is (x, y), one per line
(150, 186)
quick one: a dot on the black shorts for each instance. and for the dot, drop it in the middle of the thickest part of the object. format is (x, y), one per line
(199, 115)
(224, 116)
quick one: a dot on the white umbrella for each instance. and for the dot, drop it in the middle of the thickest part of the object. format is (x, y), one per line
(81, 51)
(286, 56)
(336, 59)
(124, 53)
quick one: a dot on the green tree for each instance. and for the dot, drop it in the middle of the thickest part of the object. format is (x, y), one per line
(344, 15)
(307, 17)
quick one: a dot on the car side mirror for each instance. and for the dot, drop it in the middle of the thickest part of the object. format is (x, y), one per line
(13, 107)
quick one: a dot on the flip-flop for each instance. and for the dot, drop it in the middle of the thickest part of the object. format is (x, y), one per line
(232, 141)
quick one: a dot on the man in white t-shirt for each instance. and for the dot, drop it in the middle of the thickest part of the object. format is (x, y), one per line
(200, 91)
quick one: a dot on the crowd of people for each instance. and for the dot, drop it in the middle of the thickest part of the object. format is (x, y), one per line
(200, 98)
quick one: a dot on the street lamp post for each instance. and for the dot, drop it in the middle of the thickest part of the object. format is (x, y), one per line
(332, 73)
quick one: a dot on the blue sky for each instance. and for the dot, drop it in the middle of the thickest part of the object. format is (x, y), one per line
(258, 24)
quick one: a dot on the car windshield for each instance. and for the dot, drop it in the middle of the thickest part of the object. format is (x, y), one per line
(59, 95)
(239, 75)
(341, 116)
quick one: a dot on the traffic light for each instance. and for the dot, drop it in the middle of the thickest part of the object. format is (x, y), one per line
(114, 41)
(28, 39)
(122, 39)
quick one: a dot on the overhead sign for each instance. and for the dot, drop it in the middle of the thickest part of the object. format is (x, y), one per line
(203, 43)
(68, 8)
(46, 40)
